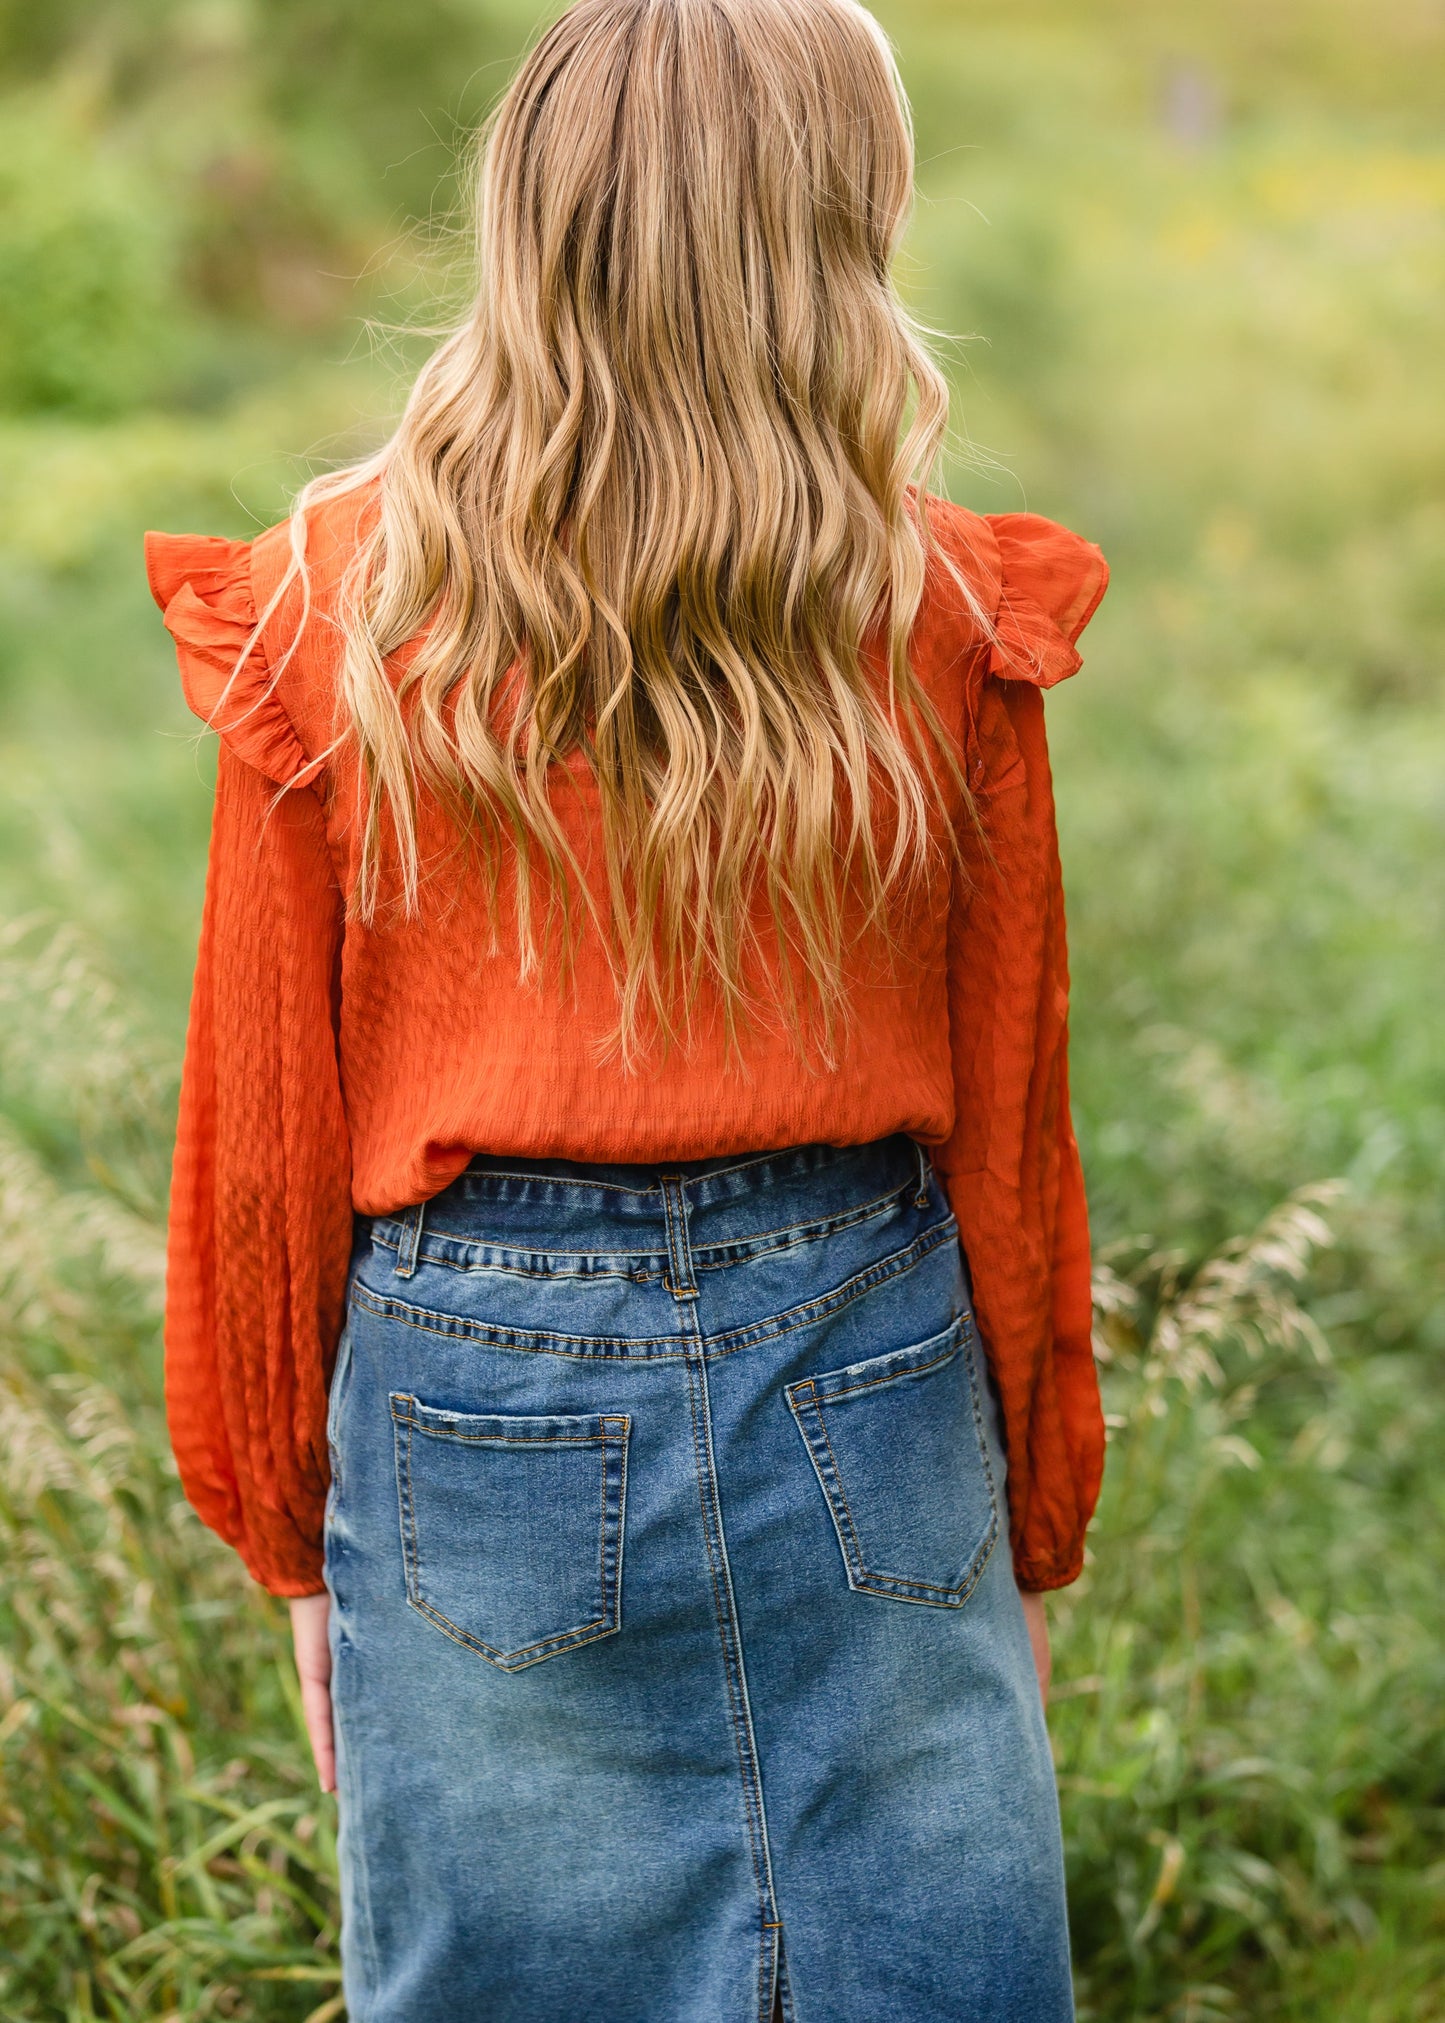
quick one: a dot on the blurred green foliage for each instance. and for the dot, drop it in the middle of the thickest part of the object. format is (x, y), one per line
(86, 295)
(1192, 264)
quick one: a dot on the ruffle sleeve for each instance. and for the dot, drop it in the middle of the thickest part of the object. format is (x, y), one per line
(1011, 1164)
(260, 1204)
(202, 584)
(1050, 583)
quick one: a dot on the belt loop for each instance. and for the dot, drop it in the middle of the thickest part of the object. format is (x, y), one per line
(680, 1282)
(406, 1249)
(920, 1200)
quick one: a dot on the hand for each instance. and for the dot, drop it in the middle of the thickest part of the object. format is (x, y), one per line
(309, 1617)
(1038, 1624)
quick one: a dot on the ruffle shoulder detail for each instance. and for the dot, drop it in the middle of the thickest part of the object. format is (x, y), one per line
(1051, 582)
(202, 584)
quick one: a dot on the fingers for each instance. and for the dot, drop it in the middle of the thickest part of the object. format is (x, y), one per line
(309, 1621)
(316, 1706)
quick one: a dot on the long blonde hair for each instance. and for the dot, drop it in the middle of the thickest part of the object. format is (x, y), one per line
(658, 498)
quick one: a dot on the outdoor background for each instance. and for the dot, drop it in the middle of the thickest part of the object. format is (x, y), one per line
(1198, 255)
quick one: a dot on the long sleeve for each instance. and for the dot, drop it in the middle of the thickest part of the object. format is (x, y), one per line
(276, 1145)
(261, 1222)
(1012, 1166)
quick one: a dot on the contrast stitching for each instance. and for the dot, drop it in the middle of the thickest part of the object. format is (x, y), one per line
(729, 1630)
(852, 1555)
(602, 1537)
(682, 1284)
(671, 1347)
(439, 1236)
(621, 1527)
(670, 1273)
(527, 1271)
(406, 1407)
(805, 1397)
(724, 1633)
(711, 1257)
(625, 1271)
(408, 1514)
(980, 1433)
(834, 1302)
(743, 1248)
(842, 1491)
(888, 1377)
(559, 1640)
(956, 1596)
(503, 1439)
(431, 1254)
(933, 1587)
(530, 1654)
(430, 1320)
(381, 1224)
(729, 1633)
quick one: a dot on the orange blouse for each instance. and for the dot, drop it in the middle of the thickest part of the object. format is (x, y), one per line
(332, 1067)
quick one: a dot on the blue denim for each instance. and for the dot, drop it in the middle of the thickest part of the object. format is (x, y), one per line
(680, 1675)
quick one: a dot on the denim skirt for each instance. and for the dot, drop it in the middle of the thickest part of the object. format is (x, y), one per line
(679, 1671)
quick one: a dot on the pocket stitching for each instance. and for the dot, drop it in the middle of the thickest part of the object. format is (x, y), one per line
(855, 1553)
(895, 1587)
(898, 1586)
(529, 1654)
(501, 1439)
(613, 1440)
(810, 1384)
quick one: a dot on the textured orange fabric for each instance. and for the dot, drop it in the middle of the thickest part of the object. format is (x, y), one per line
(333, 1067)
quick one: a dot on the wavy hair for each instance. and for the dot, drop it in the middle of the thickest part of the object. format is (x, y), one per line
(658, 502)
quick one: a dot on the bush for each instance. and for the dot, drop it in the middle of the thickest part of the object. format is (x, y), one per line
(89, 308)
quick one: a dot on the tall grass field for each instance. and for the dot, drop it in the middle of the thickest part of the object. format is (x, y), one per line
(1188, 271)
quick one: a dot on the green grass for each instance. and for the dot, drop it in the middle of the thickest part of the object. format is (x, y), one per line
(1205, 256)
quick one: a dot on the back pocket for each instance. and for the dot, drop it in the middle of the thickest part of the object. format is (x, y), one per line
(512, 1528)
(899, 1448)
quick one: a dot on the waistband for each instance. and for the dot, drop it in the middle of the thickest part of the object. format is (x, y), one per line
(561, 1206)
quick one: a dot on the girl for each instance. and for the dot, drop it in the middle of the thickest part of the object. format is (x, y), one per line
(629, 1270)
